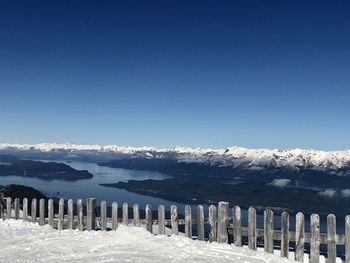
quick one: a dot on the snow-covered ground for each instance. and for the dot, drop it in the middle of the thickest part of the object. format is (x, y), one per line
(28, 242)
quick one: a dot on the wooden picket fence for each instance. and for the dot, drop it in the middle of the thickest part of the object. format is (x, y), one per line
(221, 224)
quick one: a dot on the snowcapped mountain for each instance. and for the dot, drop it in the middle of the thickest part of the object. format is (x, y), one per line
(253, 159)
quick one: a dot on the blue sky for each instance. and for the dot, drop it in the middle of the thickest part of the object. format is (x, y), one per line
(165, 73)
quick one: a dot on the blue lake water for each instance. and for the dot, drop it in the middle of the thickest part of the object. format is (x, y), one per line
(90, 188)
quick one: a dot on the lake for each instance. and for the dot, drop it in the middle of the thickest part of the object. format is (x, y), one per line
(90, 188)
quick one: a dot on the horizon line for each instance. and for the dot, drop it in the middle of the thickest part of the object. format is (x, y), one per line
(168, 148)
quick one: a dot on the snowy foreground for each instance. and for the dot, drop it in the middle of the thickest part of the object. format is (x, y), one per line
(28, 242)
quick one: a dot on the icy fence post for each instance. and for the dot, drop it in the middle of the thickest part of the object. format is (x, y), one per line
(237, 226)
(174, 220)
(8, 207)
(136, 212)
(284, 235)
(91, 215)
(347, 239)
(16, 208)
(42, 212)
(212, 223)
(188, 221)
(80, 214)
(161, 220)
(315, 238)
(252, 228)
(200, 222)
(60, 214)
(222, 222)
(33, 211)
(103, 216)
(114, 216)
(268, 230)
(331, 234)
(149, 218)
(2, 211)
(50, 212)
(25, 209)
(125, 214)
(70, 214)
(299, 237)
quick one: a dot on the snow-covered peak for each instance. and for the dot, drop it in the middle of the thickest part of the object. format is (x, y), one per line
(232, 156)
(47, 147)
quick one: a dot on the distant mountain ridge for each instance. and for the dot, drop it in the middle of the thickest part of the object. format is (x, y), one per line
(253, 159)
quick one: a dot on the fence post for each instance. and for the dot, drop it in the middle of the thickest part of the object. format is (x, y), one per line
(174, 220)
(42, 212)
(347, 239)
(60, 214)
(200, 222)
(299, 237)
(268, 230)
(16, 204)
(125, 214)
(33, 212)
(70, 214)
(331, 234)
(285, 235)
(136, 211)
(80, 215)
(212, 223)
(222, 222)
(315, 238)
(103, 216)
(50, 212)
(237, 226)
(25, 209)
(91, 215)
(8, 207)
(114, 216)
(149, 218)
(188, 221)
(2, 210)
(161, 220)
(252, 228)
(16, 208)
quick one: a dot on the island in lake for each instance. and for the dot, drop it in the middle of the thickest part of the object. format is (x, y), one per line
(10, 165)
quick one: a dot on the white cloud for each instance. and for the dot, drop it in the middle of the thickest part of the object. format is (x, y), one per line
(280, 182)
(345, 193)
(256, 168)
(328, 193)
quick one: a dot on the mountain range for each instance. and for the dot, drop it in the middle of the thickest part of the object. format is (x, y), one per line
(252, 159)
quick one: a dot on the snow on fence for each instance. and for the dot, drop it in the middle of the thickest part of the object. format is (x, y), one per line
(221, 224)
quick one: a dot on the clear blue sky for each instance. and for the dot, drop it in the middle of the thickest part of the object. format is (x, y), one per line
(166, 73)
